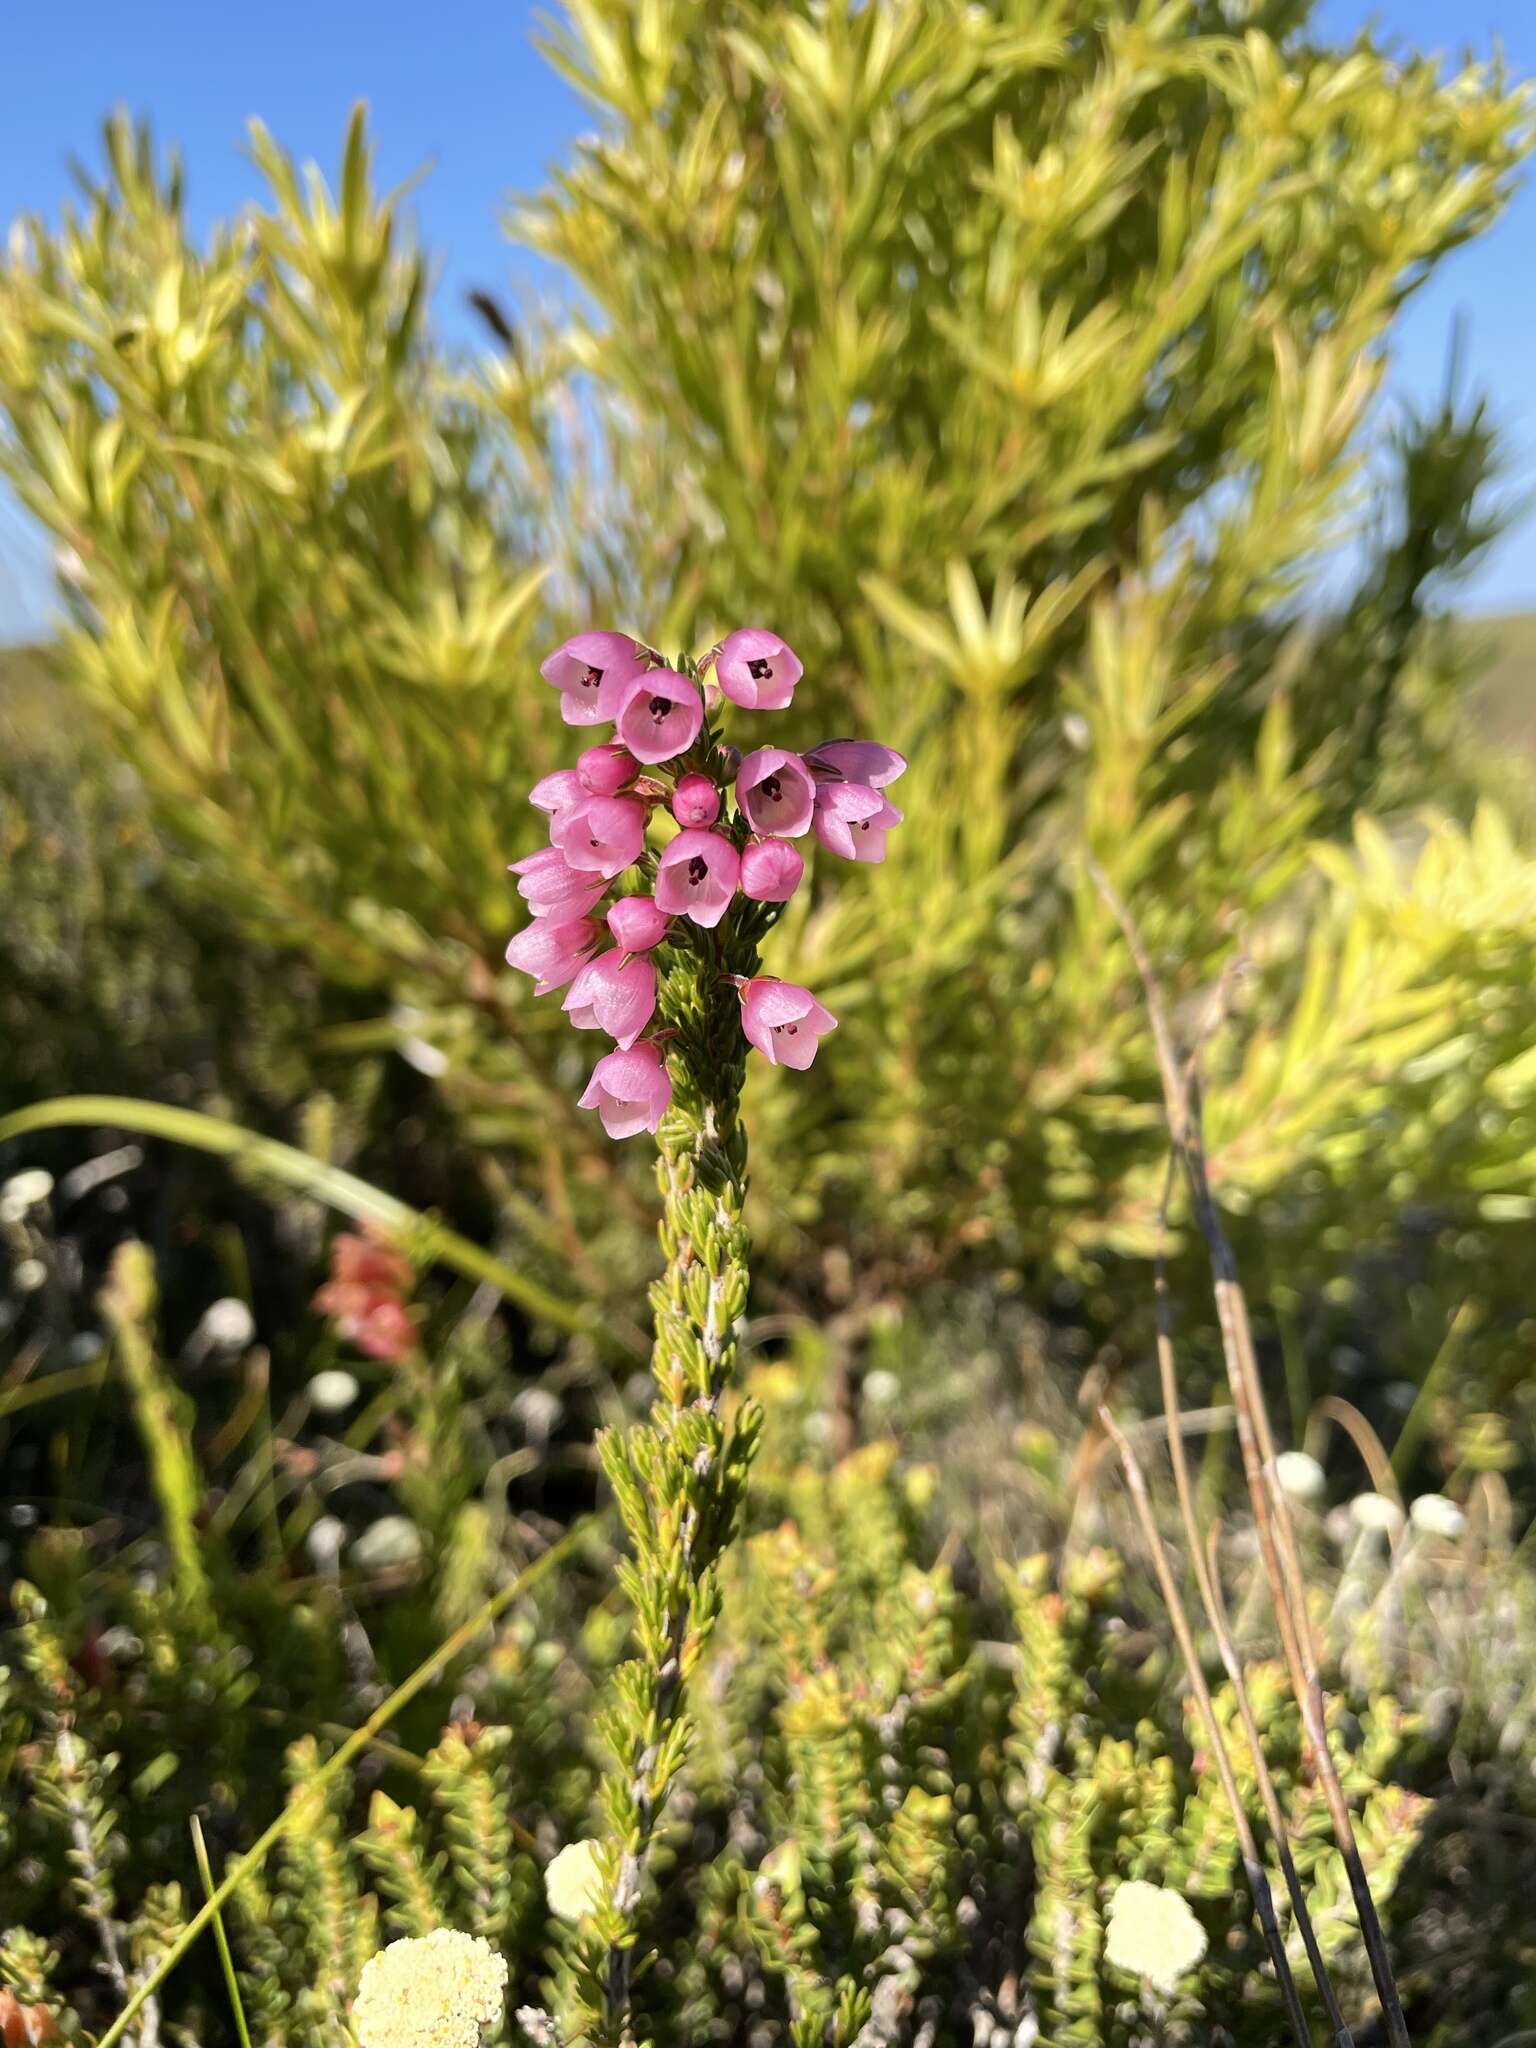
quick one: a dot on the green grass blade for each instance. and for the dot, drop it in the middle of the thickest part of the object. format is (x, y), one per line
(315, 1177)
(205, 1872)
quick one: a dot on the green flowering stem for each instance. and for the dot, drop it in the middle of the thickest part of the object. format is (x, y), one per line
(679, 1479)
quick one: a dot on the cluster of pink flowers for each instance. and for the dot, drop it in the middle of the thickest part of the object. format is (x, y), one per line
(666, 755)
(365, 1296)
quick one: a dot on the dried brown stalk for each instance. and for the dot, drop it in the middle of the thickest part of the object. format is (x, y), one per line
(1278, 1547)
(1253, 1869)
(1207, 1579)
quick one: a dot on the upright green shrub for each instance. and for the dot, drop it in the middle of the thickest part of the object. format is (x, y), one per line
(1030, 353)
(1036, 348)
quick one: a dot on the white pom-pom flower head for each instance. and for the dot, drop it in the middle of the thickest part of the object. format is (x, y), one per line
(438, 1990)
(1153, 1933)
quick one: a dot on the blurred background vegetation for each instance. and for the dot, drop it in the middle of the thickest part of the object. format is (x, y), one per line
(1022, 365)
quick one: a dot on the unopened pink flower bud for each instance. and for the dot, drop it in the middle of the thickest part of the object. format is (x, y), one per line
(637, 923)
(605, 770)
(771, 870)
(695, 801)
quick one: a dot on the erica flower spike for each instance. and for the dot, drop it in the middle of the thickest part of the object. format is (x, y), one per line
(683, 846)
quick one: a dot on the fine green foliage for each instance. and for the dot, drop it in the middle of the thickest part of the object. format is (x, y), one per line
(1029, 353)
(1021, 362)
(907, 1808)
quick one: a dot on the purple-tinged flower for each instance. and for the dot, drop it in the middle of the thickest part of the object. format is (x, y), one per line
(557, 792)
(697, 875)
(776, 793)
(615, 993)
(863, 761)
(695, 801)
(603, 834)
(605, 770)
(551, 950)
(629, 1090)
(551, 887)
(852, 819)
(659, 715)
(637, 924)
(756, 670)
(771, 870)
(783, 1021)
(589, 670)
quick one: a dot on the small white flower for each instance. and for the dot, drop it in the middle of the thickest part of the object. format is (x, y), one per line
(28, 1276)
(324, 1541)
(332, 1391)
(538, 1409)
(1153, 1934)
(225, 1325)
(1375, 1512)
(430, 1991)
(882, 1389)
(1433, 1515)
(1300, 1475)
(391, 1540)
(573, 1882)
(24, 1191)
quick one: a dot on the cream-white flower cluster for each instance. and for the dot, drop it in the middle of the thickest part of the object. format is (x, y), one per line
(1153, 1933)
(430, 1991)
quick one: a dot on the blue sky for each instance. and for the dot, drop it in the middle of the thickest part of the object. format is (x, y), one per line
(458, 86)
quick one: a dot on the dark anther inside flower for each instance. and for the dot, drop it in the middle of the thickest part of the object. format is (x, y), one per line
(697, 870)
(760, 671)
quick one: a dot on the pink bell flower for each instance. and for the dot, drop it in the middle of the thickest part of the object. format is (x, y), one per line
(551, 887)
(629, 1090)
(638, 924)
(852, 819)
(695, 801)
(784, 1022)
(776, 793)
(660, 715)
(605, 770)
(551, 950)
(615, 993)
(771, 870)
(557, 792)
(603, 834)
(856, 761)
(589, 670)
(697, 875)
(756, 670)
